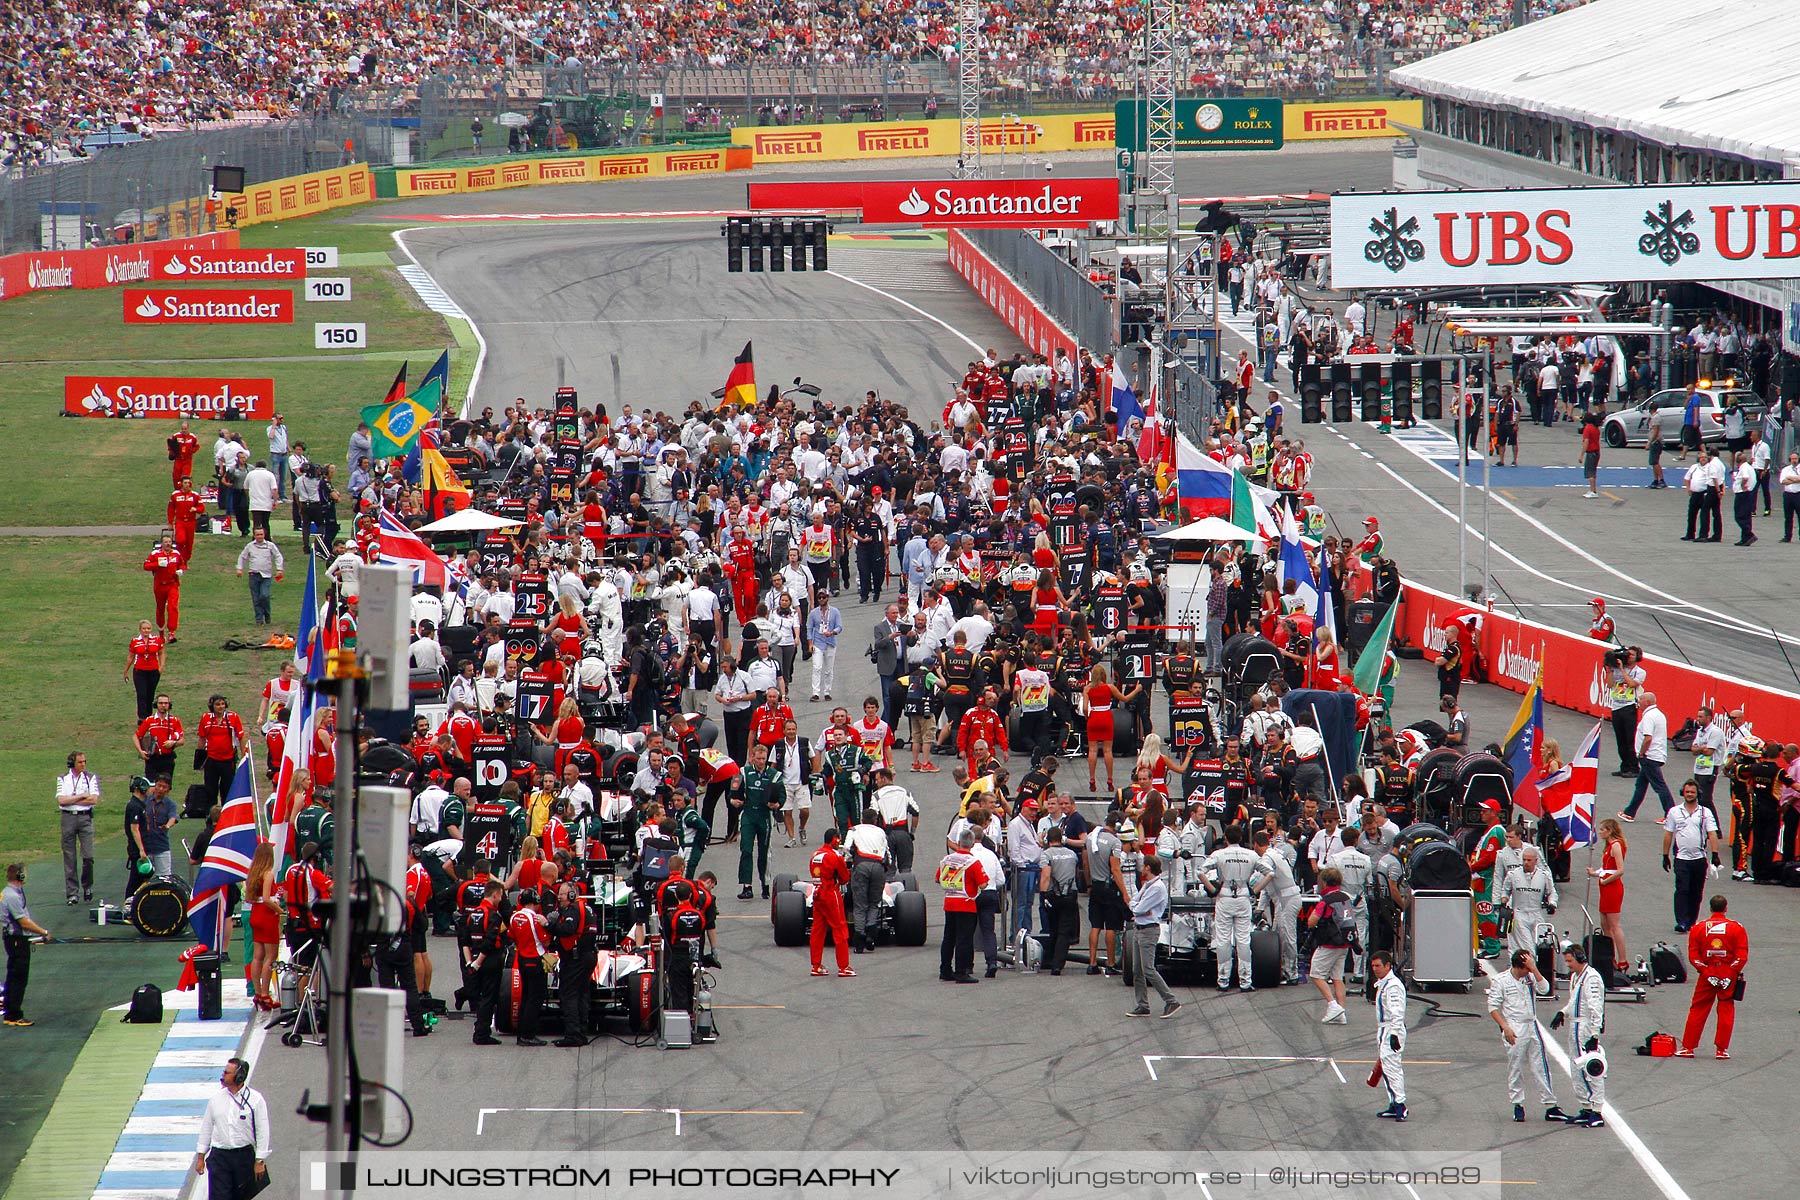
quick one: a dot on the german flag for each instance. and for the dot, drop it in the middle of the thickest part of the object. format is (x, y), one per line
(740, 385)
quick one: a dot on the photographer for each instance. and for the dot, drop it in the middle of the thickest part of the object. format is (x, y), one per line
(1624, 680)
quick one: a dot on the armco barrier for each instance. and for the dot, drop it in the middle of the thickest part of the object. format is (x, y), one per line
(496, 174)
(281, 199)
(105, 266)
(1008, 300)
(1573, 673)
(919, 139)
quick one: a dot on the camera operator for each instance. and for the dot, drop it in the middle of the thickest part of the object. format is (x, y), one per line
(1624, 679)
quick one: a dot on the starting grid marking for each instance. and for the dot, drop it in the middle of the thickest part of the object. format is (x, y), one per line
(1150, 1061)
(482, 1115)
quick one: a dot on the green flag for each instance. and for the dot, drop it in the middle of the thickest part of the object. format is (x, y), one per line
(1367, 675)
(1243, 508)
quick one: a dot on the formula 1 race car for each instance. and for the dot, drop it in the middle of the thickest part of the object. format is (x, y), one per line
(901, 919)
(624, 978)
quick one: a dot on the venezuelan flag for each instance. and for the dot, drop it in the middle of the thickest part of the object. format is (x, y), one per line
(1523, 750)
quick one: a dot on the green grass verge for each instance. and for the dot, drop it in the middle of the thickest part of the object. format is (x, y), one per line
(71, 1092)
(66, 660)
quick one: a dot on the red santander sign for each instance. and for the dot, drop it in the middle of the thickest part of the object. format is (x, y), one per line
(211, 264)
(957, 203)
(212, 306)
(157, 396)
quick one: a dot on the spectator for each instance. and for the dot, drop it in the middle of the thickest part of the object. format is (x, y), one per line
(263, 560)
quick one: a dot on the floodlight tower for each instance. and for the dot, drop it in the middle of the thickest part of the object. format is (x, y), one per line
(968, 94)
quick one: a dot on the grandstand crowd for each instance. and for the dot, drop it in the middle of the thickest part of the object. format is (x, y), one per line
(69, 70)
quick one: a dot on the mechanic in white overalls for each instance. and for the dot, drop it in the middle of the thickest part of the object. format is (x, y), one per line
(1235, 876)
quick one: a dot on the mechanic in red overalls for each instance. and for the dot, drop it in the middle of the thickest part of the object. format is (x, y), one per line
(832, 875)
(1718, 948)
(165, 564)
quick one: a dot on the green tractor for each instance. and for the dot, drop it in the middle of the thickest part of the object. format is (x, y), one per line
(580, 122)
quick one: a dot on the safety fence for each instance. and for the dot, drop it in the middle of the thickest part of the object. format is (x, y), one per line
(115, 194)
(1058, 287)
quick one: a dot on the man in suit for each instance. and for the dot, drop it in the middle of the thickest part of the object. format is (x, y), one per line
(890, 657)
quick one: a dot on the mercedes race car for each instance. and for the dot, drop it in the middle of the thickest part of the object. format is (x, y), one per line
(901, 920)
(624, 978)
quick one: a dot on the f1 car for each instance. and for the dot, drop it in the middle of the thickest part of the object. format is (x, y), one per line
(901, 919)
(624, 977)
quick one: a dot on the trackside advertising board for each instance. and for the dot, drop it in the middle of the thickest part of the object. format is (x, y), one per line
(159, 396)
(212, 306)
(1015, 203)
(1566, 235)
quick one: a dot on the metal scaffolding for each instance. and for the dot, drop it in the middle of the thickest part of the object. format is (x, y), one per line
(968, 80)
(1159, 118)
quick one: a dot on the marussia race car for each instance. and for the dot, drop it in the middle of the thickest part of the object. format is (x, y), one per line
(624, 979)
(901, 918)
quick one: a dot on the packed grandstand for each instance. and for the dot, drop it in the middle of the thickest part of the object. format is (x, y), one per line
(70, 71)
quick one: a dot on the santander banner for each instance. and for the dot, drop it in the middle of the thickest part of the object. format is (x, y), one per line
(1566, 235)
(155, 396)
(230, 264)
(212, 306)
(1573, 674)
(101, 267)
(1014, 203)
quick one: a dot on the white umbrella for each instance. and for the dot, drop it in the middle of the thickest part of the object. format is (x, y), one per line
(1209, 529)
(469, 520)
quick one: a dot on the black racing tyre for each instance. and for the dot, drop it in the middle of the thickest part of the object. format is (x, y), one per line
(1265, 959)
(909, 918)
(784, 884)
(624, 767)
(789, 917)
(908, 881)
(642, 1005)
(506, 1013)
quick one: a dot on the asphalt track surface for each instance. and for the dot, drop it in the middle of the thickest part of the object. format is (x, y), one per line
(895, 1060)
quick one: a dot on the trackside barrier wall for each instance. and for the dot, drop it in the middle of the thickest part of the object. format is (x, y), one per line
(1010, 302)
(496, 174)
(105, 266)
(1574, 676)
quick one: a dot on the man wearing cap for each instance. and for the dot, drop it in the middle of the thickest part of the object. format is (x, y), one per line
(1481, 876)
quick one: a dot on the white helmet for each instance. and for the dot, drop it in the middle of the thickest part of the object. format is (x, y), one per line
(1140, 573)
(1592, 1063)
(945, 574)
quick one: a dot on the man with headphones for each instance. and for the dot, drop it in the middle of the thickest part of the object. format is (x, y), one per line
(234, 1135)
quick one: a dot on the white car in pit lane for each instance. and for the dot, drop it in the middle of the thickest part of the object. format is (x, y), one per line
(1663, 412)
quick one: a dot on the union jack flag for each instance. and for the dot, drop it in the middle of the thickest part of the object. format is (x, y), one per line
(1567, 794)
(401, 547)
(227, 861)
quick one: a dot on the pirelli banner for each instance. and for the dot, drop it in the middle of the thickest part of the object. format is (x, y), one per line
(1566, 235)
(920, 139)
(586, 168)
(1350, 119)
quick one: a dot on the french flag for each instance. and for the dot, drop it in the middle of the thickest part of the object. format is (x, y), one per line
(1202, 485)
(1124, 399)
(401, 547)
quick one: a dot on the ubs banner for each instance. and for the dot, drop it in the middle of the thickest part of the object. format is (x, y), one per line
(1566, 235)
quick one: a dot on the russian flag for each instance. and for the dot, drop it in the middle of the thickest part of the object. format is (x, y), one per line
(1124, 400)
(1202, 485)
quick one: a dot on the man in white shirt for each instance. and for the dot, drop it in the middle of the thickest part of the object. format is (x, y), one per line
(1790, 496)
(1652, 753)
(278, 452)
(1549, 382)
(1743, 498)
(261, 485)
(1356, 318)
(77, 792)
(234, 1134)
(1690, 834)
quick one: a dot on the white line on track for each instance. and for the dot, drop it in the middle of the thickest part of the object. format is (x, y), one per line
(1615, 1121)
(935, 320)
(468, 403)
(1336, 1071)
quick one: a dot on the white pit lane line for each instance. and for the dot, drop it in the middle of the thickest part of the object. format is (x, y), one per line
(1615, 1120)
